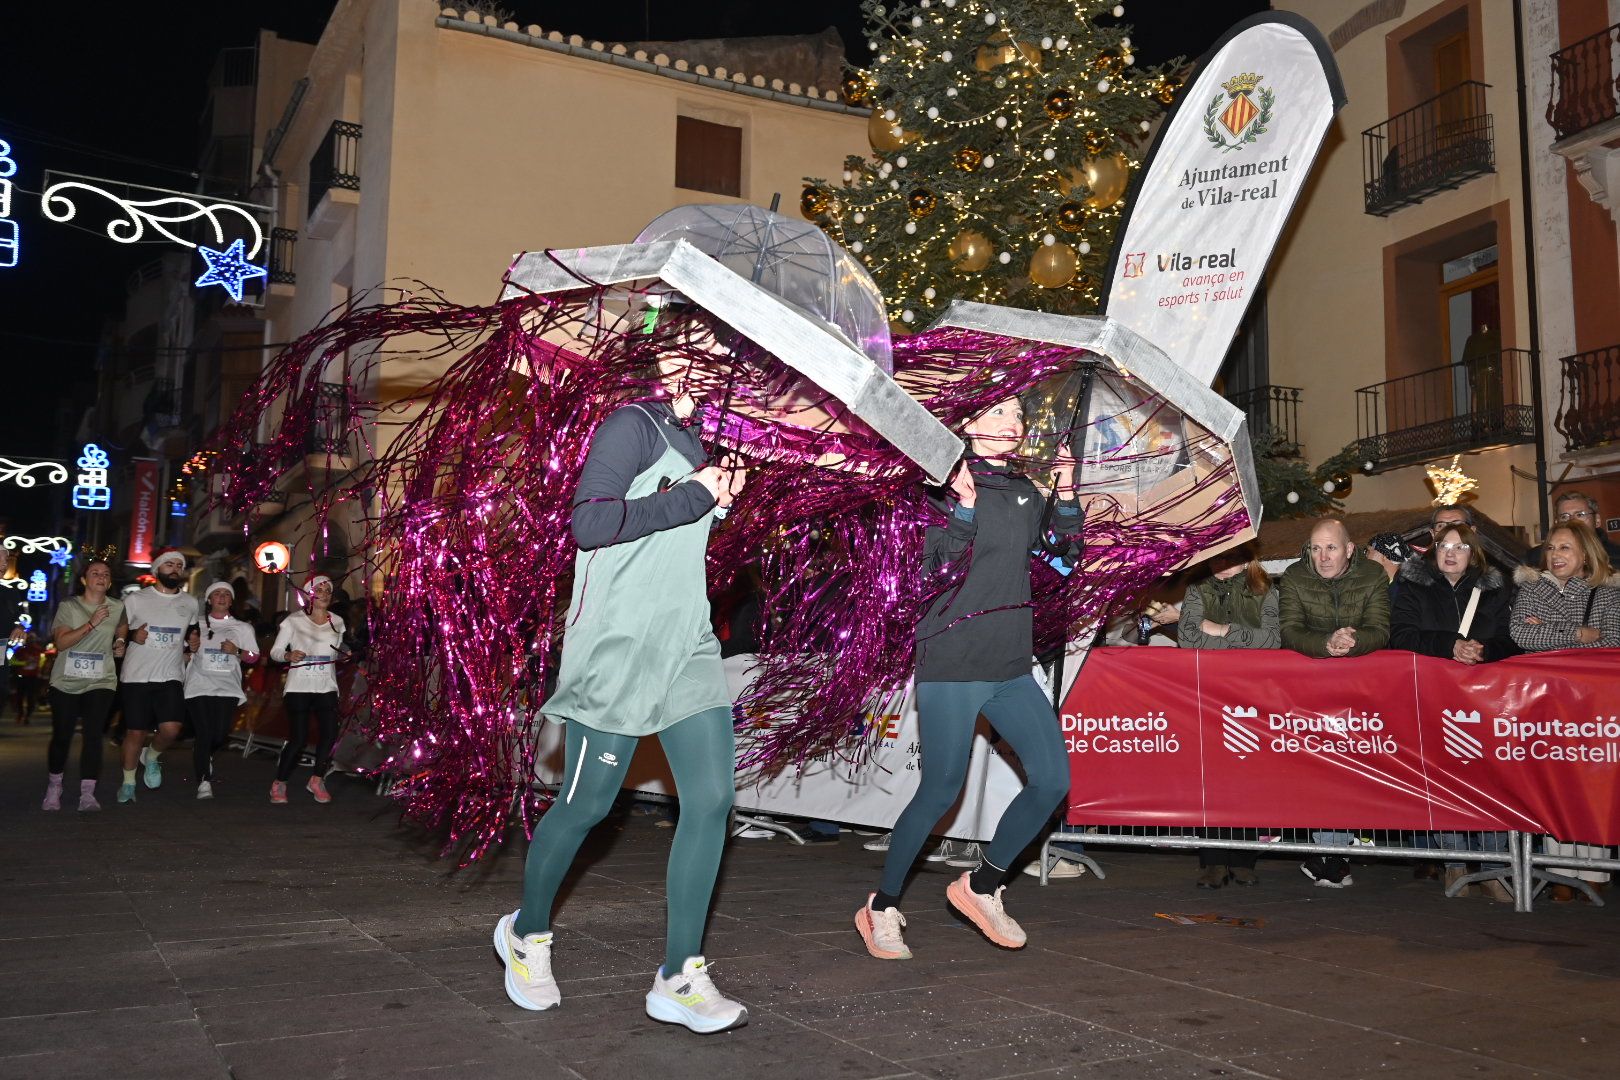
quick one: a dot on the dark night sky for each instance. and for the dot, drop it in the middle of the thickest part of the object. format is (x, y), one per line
(115, 91)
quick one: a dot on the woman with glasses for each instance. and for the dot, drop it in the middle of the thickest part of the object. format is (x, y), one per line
(1571, 604)
(213, 686)
(1454, 606)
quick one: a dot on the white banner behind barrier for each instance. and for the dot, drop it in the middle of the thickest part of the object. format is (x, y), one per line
(1218, 187)
(874, 795)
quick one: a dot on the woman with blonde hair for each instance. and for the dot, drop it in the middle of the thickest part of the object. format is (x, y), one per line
(1234, 606)
(1571, 603)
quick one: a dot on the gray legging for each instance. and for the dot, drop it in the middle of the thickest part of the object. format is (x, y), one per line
(946, 714)
(702, 753)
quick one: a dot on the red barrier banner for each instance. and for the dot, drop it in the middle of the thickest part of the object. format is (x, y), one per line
(1392, 740)
(144, 516)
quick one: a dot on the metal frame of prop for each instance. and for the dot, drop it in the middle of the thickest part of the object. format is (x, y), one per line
(1133, 356)
(805, 344)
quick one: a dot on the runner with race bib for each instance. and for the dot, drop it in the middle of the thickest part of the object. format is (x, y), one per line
(154, 669)
(220, 646)
(83, 682)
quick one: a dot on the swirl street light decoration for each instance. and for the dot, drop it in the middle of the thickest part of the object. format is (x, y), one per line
(20, 473)
(29, 545)
(228, 265)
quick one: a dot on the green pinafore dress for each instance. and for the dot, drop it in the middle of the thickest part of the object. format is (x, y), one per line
(638, 652)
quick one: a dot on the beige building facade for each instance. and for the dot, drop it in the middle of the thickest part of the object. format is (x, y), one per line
(1433, 294)
(422, 144)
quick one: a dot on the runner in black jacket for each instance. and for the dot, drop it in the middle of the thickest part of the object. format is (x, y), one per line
(975, 649)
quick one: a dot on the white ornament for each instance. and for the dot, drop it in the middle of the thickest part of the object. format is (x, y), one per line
(894, 185)
(1102, 87)
(950, 3)
(989, 18)
(1119, 11)
(1327, 487)
(911, 228)
(1293, 496)
(1004, 258)
(1085, 247)
(1001, 122)
(907, 315)
(872, 45)
(848, 176)
(888, 114)
(857, 247)
(929, 293)
(947, 56)
(900, 162)
(916, 20)
(1125, 43)
(1367, 466)
(1145, 126)
(1047, 154)
(1062, 43)
(1130, 59)
(1048, 239)
(989, 161)
(950, 91)
(860, 218)
(933, 112)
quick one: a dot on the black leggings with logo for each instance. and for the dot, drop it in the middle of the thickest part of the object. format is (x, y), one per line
(68, 711)
(211, 720)
(299, 706)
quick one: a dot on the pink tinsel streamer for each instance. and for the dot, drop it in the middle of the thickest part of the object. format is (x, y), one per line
(462, 487)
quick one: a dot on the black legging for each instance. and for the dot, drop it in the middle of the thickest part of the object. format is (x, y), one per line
(299, 706)
(68, 711)
(210, 722)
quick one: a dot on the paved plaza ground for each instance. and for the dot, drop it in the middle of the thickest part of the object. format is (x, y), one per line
(237, 939)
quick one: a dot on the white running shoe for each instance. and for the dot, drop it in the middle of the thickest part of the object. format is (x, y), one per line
(967, 856)
(986, 913)
(946, 849)
(1059, 868)
(205, 790)
(881, 930)
(528, 967)
(689, 998)
(878, 843)
(153, 775)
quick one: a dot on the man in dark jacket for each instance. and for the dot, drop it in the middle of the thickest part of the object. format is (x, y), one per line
(1331, 602)
(1576, 506)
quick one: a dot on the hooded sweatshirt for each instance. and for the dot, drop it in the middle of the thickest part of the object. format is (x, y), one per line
(1311, 607)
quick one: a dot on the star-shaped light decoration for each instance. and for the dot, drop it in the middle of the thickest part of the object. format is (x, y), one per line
(61, 557)
(228, 268)
(1450, 482)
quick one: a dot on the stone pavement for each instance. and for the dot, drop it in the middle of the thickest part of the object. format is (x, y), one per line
(237, 939)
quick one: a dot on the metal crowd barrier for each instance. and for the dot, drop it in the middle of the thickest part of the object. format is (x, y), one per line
(1514, 866)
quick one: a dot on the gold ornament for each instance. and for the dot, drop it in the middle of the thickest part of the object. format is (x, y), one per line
(1001, 49)
(967, 159)
(814, 202)
(1166, 91)
(1096, 142)
(1071, 217)
(857, 89)
(969, 252)
(1107, 175)
(1060, 104)
(1070, 181)
(921, 202)
(886, 136)
(1108, 63)
(1053, 265)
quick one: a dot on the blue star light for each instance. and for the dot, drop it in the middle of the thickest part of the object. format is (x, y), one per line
(228, 268)
(61, 557)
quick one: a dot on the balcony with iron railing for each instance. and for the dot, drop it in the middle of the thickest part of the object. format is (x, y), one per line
(1589, 406)
(1585, 84)
(1273, 413)
(1439, 144)
(1483, 403)
(335, 165)
(282, 244)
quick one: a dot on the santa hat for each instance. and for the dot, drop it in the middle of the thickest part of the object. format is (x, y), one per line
(169, 554)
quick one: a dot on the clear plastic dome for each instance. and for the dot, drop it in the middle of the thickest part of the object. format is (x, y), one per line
(791, 259)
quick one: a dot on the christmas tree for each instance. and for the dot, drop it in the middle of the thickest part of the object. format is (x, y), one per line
(1004, 135)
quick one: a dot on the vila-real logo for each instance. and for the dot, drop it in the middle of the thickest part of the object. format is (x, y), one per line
(1243, 119)
(1237, 736)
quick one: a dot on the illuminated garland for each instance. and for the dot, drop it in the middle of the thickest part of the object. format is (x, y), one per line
(18, 473)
